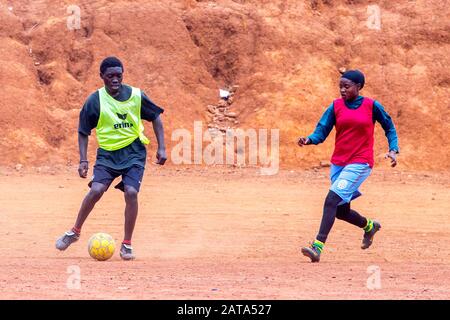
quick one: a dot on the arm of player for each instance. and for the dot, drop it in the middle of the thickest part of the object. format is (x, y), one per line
(151, 112)
(158, 128)
(323, 129)
(89, 115)
(387, 124)
(83, 145)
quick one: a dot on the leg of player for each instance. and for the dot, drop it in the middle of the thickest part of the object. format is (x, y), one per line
(131, 211)
(329, 215)
(351, 216)
(345, 213)
(94, 195)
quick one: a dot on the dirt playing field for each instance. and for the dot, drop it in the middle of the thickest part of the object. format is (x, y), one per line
(226, 233)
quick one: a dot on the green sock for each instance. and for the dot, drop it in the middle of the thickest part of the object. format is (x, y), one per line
(368, 226)
(319, 245)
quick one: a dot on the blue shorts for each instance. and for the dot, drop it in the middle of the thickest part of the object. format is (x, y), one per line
(131, 176)
(345, 181)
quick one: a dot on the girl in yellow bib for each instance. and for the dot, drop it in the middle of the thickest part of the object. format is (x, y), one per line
(116, 112)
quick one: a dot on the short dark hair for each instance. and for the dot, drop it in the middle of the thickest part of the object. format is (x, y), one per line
(110, 62)
(356, 76)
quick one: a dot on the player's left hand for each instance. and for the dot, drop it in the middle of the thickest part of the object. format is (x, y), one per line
(161, 156)
(393, 156)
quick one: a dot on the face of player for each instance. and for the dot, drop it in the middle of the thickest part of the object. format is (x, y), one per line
(349, 90)
(112, 77)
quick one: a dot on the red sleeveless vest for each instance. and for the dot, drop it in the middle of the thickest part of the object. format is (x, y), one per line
(354, 133)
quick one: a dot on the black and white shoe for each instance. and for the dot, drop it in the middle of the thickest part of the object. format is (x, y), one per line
(66, 240)
(126, 252)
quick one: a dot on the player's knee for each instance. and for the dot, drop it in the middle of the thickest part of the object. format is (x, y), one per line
(332, 199)
(342, 211)
(130, 193)
(97, 190)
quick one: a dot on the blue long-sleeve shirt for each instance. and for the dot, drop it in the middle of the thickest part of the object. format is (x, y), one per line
(328, 120)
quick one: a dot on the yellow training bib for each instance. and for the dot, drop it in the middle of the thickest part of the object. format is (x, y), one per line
(120, 122)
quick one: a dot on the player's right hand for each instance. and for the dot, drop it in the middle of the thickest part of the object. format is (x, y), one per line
(303, 141)
(83, 169)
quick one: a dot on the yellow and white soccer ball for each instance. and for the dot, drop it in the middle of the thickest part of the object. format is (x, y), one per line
(101, 246)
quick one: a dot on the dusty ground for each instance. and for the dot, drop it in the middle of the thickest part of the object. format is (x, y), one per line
(216, 233)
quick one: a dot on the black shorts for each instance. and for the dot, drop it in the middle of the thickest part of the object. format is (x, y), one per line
(131, 176)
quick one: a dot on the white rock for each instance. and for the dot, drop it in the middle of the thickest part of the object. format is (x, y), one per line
(325, 164)
(224, 94)
(231, 114)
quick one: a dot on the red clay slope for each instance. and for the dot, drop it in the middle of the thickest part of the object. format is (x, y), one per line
(284, 55)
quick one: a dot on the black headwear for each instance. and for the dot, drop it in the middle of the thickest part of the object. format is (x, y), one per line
(354, 75)
(110, 62)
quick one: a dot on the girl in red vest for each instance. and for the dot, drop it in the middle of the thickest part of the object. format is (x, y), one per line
(354, 117)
